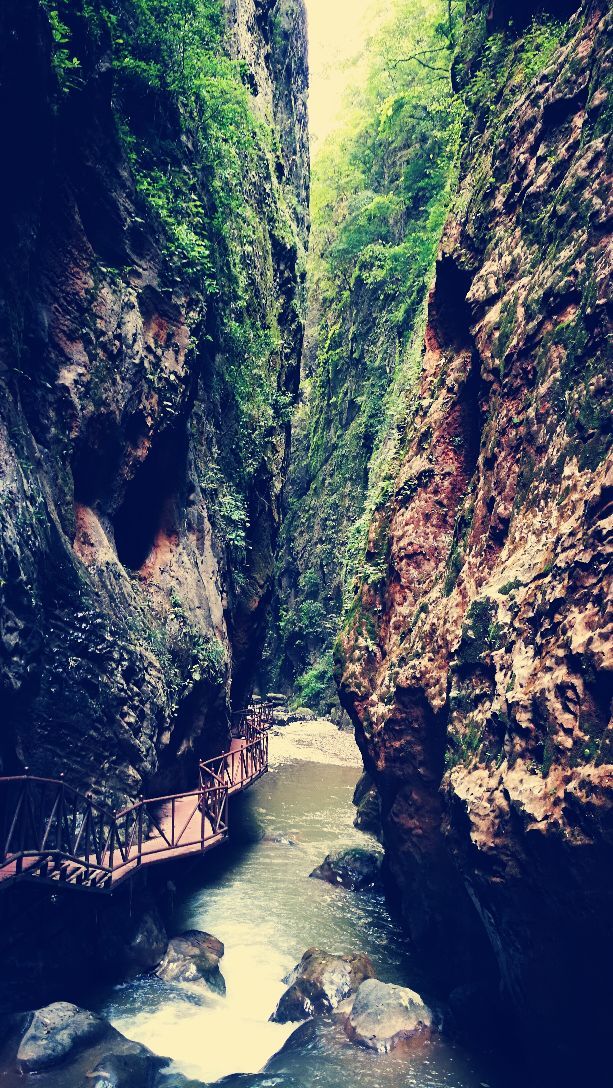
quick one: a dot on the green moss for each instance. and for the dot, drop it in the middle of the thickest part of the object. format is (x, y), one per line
(455, 559)
(464, 744)
(508, 318)
(462, 702)
(510, 587)
(481, 634)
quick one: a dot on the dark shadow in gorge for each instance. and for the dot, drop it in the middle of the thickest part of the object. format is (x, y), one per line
(151, 502)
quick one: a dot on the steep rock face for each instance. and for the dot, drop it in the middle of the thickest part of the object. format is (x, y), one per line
(381, 186)
(137, 527)
(478, 669)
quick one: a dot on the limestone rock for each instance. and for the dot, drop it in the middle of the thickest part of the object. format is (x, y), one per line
(384, 1014)
(363, 785)
(355, 868)
(482, 695)
(146, 945)
(57, 1032)
(319, 983)
(84, 1047)
(123, 623)
(135, 1069)
(301, 714)
(368, 816)
(194, 957)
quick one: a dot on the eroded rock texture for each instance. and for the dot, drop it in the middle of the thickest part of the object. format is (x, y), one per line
(478, 671)
(128, 615)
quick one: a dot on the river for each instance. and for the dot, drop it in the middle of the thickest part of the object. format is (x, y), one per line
(256, 896)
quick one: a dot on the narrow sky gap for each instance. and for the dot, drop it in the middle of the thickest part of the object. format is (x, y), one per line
(337, 33)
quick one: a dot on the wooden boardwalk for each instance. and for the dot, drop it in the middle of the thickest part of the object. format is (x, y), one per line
(52, 833)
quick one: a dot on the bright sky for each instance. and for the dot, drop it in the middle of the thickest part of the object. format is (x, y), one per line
(337, 32)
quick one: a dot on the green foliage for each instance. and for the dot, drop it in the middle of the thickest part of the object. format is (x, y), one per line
(203, 163)
(481, 633)
(463, 745)
(510, 587)
(380, 191)
(380, 186)
(315, 687)
(65, 65)
(507, 63)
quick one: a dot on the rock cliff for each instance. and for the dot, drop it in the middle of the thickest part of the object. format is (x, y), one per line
(151, 281)
(476, 660)
(380, 192)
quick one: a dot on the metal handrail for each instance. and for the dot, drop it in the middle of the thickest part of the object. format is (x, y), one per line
(49, 823)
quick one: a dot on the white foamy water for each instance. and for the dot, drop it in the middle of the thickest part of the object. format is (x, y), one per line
(256, 896)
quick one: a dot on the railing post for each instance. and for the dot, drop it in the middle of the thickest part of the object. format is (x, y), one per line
(140, 831)
(88, 818)
(113, 830)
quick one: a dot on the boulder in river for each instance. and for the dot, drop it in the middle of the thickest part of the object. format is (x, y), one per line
(145, 945)
(276, 698)
(84, 1047)
(319, 983)
(136, 1069)
(363, 785)
(384, 1014)
(354, 868)
(368, 816)
(57, 1031)
(194, 956)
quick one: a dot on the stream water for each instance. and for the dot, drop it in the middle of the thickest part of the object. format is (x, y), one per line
(256, 896)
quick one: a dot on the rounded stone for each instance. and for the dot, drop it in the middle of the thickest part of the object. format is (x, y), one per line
(355, 868)
(56, 1032)
(384, 1014)
(319, 983)
(194, 957)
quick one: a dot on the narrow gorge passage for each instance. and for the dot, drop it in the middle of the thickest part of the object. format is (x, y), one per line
(260, 902)
(306, 647)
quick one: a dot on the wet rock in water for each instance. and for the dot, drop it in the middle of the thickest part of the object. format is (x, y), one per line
(355, 868)
(341, 719)
(363, 785)
(368, 817)
(84, 1045)
(194, 956)
(279, 840)
(280, 717)
(301, 714)
(319, 983)
(301, 1037)
(146, 945)
(136, 1069)
(384, 1014)
(56, 1032)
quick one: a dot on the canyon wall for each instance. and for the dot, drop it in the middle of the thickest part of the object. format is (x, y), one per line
(380, 191)
(476, 658)
(151, 281)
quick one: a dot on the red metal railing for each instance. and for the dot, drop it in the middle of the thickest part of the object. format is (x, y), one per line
(52, 831)
(236, 767)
